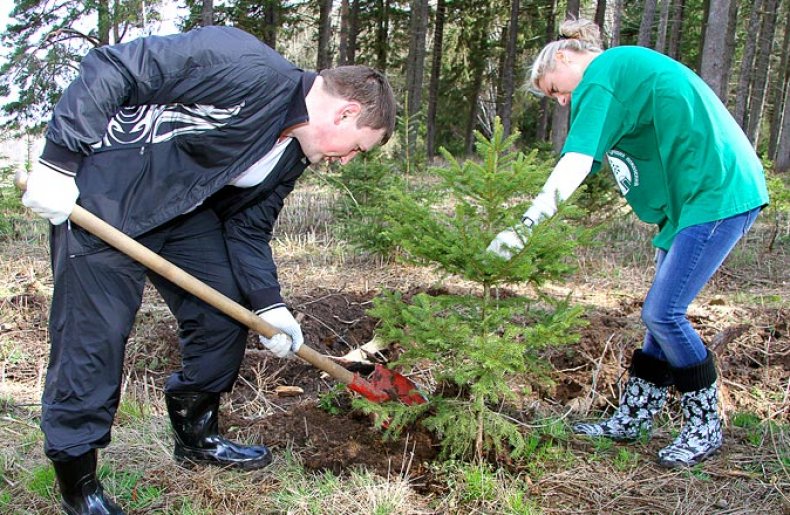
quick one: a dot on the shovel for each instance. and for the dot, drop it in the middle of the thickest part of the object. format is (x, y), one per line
(383, 384)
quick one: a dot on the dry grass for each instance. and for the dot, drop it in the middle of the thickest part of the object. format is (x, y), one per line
(751, 475)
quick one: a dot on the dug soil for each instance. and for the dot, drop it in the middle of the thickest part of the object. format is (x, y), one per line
(586, 378)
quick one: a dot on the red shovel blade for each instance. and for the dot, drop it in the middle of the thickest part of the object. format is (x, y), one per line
(385, 385)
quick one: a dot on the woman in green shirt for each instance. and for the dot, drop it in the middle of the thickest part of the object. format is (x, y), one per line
(682, 163)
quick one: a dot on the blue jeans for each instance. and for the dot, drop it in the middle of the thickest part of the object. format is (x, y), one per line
(695, 255)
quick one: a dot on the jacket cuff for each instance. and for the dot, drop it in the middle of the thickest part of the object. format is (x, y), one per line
(264, 299)
(61, 159)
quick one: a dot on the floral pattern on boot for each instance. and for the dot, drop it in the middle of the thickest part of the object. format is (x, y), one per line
(701, 435)
(640, 402)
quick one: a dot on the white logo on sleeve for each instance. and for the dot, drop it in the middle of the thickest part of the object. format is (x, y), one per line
(624, 169)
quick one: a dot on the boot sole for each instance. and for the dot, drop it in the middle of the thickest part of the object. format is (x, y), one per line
(695, 461)
(194, 461)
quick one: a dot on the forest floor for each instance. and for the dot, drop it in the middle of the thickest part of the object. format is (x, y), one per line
(331, 459)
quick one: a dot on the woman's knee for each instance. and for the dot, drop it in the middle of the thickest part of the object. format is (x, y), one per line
(656, 316)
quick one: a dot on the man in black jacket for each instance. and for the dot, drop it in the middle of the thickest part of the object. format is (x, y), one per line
(189, 144)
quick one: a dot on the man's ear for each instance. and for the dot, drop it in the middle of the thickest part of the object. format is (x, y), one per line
(348, 110)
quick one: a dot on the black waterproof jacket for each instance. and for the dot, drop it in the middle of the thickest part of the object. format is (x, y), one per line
(157, 126)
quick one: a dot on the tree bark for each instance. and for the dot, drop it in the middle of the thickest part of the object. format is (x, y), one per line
(646, 26)
(207, 13)
(478, 62)
(415, 65)
(382, 32)
(747, 65)
(342, 48)
(559, 119)
(676, 30)
(508, 82)
(781, 85)
(353, 32)
(415, 61)
(729, 50)
(663, 24)
(701, 41)
(762, 66)
(713, 64)
(542, 133)
(433, 87)
(782, 163)
(600, 18)
(324, 59)
(617, 24)
(105, 23)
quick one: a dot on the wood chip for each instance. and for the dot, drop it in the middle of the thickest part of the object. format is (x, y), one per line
(288, 391)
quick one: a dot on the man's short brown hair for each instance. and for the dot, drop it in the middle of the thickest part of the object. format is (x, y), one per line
(371, 89)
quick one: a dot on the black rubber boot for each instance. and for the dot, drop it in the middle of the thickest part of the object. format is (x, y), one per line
(643, 397)
(81, 492)
(194, 417)
(701, 435)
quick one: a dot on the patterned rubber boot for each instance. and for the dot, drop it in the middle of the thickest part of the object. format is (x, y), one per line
(701, 434)
(643, 398)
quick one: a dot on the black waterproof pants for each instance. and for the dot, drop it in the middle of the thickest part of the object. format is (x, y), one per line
(96, 297)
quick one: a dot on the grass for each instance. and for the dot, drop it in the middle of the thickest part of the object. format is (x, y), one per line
(562, 474)
(319, 493)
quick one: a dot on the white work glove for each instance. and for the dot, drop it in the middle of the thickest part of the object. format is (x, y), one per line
(281, 344)
(50, 194)
(511, 241)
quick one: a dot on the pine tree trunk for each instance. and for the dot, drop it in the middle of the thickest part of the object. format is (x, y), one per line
(271, 22)
(433, 86)
(542, 132)
(342, 48)
(207, 13)
(781, 85)
(508, 70)
(676, 30)
(382, 32)
(478, 62)
(104, 22)
(559, 119)
(747, 66)
(663, 24)
(617, 24)
(713, 66)
(646, 26)
(600, 18)
(415, 61)
(324, 35)
(729, 49)
(415, 66)
(782, 163)
(701, 41)
(762, 66)
(353, 32)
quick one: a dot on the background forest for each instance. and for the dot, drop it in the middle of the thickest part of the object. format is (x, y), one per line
(456, 64)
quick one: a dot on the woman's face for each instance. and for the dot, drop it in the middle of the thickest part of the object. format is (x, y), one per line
(560, 82)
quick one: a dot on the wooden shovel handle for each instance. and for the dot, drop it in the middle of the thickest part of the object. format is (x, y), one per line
(117, 239)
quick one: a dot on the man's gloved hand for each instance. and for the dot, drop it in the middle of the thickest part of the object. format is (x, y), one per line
(510, 241)
(281, 344)
(50, 194)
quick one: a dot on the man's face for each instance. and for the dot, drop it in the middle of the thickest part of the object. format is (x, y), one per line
(342, 144)
(337, 137)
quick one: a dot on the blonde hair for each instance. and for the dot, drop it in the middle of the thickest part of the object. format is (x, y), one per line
(575, 35)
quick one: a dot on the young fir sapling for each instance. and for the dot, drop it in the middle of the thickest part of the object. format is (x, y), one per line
(476, 343)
